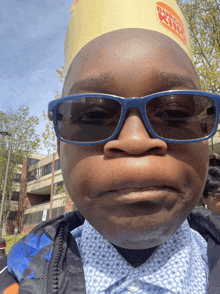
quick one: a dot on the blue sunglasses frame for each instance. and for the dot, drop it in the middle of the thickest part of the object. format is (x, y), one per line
(126, 104)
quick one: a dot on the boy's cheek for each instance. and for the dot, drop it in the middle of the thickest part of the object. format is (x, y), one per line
(84, 167)
(196, 155)
(83, 164)
(77, 164)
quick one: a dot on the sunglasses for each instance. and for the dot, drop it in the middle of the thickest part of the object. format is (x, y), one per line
(172, 116)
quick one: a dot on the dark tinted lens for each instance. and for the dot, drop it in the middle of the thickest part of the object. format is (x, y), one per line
(88, 119)
(181, 116)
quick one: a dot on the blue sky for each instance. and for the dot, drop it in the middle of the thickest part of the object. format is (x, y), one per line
(32, 37)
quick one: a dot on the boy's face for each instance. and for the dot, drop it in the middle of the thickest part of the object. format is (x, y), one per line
(213, 201)
(135, 190)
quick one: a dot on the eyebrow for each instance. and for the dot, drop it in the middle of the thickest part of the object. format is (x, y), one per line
(95, 84)
(175, 80)
(101, 84)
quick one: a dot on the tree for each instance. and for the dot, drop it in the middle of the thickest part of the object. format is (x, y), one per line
(21, 126)
(49, 137)
(203, 18)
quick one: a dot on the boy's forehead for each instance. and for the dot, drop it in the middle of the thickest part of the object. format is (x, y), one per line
(100, 84)
(140, 51)
(130, 42)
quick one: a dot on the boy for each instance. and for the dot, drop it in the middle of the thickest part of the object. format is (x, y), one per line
(135, 168)
(211, 193)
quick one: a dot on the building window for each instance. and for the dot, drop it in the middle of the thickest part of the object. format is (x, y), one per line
(59, 188)
(25, 219)
(15, 196)
(17, 178)
(12, 216)
(34, 218)
(57, 165)
(32, 175)
(58, 211)
(38, 173)
(46, 169)
(31, 161)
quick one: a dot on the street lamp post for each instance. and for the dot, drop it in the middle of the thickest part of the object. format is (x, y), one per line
(6, 178)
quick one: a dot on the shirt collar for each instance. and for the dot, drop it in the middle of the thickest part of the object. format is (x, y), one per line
(172, 261)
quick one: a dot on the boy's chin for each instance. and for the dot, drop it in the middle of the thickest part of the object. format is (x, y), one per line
(137, 237)
(138, 241)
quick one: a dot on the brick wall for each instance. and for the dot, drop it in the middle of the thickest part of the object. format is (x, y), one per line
(35, 199)
(27, 229)
(11, 225)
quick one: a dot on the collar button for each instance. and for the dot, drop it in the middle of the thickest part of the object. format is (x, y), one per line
(134, 286)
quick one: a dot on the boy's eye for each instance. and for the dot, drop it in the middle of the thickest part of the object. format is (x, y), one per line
(173, 116)
(174, 109)
(93, 115)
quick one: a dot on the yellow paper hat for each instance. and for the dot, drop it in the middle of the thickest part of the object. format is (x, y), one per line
(93, 18)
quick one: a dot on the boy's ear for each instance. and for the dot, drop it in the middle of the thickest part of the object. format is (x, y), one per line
(58, 147)
(204, 200)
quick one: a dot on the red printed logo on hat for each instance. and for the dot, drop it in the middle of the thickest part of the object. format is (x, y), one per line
(171, 20)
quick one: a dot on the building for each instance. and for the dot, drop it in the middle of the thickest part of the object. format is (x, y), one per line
(39, 193)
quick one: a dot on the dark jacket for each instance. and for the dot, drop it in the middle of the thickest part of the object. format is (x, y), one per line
(47, 260)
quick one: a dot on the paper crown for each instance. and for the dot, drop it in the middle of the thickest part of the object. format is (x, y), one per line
(93, 18)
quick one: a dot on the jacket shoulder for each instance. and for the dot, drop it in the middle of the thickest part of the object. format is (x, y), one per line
(9, 285)
(207, 223)
(34, 251)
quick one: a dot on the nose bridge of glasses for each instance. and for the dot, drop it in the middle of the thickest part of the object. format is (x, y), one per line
(134, 102)
(135, 106)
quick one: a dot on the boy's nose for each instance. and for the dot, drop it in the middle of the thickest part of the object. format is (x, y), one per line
(134, 139)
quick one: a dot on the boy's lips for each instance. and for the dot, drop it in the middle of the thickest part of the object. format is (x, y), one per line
(133, 192)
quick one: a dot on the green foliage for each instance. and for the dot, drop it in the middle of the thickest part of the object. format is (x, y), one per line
(48, 136)
(61, 74)
(203, 18)
(21, 126)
